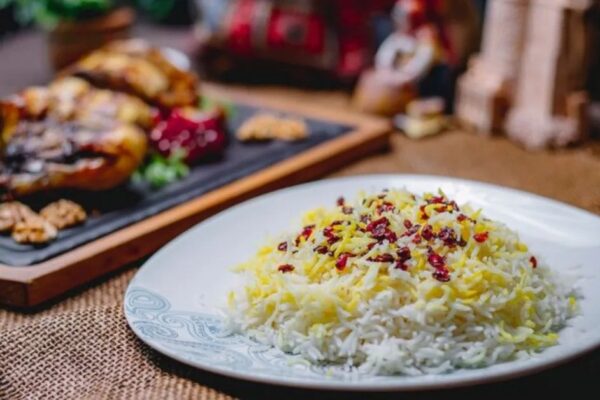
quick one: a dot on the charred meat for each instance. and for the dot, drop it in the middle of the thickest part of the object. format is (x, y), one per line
(50, 154)
(137, 68)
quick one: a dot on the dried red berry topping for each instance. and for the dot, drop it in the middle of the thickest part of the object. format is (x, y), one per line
(282, 246)
(321, 249)
(382, 258)
(461, 217)
(284, 268)
(533, 261)
(379, 230)
(455, 206)
(442, 274)
(481, 237)
(330, 235)
(404, 253)
(423, 214)
(340, 201)
(436, 200)
(427, 232)
(347, 210)
(385, 207)
(401, 265)
(306, 232)
(412, 230)
(407, 224)
(378, 226)
(436, 260)
(448, 236)
(342, 261)
(416, 239)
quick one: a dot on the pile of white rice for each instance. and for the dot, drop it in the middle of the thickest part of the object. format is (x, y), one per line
(394, 283)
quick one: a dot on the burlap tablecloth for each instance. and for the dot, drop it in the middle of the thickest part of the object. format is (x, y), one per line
(80, 346)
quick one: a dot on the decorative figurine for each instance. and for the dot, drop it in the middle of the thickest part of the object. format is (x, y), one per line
(529, 78)
(421, 57)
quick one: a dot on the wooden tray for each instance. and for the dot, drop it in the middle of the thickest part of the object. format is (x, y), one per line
(27, 286)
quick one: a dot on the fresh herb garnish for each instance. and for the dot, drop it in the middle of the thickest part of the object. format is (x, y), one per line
(159, 171)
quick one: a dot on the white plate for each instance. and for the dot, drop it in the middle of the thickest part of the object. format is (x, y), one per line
(173, 304)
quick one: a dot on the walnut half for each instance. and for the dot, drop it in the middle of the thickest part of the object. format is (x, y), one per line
(63, 214)
(13, 212)
(34, 230)
(267, 127)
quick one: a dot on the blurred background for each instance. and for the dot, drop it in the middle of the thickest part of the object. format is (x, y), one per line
(414, 61)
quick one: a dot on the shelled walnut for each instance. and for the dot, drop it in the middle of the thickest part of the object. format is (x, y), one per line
(267, 127)
(63, 214)
(34, 230)
(11, 213)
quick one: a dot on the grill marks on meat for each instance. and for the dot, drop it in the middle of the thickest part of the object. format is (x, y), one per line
(134, 67)
(44, 155)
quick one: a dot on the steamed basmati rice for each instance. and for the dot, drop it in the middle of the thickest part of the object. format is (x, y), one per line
(396, 283)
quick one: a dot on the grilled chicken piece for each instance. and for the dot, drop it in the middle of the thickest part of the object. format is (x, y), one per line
(134, 67)
(50, 154)
(70, 98)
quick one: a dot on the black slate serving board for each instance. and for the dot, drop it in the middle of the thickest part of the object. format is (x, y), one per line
(133, 202)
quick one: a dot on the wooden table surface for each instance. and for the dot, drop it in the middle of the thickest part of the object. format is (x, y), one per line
(571, 175)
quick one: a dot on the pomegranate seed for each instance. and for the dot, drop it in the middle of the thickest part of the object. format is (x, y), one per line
(407, 224)
(382, 258)
(282, 246)
(340, 201)
(461, 217)
(285, 268)
(371, 245)
(533, 261)
(481, 237)
(416, 239)
(427, 232)
(331, 237)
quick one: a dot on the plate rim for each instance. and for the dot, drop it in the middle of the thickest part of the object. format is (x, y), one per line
(521, 370)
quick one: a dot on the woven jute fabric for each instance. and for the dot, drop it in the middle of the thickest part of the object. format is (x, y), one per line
(82, 348)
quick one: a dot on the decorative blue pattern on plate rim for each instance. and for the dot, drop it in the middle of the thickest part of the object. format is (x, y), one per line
(201, 338)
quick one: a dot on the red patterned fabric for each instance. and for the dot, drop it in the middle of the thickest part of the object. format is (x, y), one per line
(332, 35)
